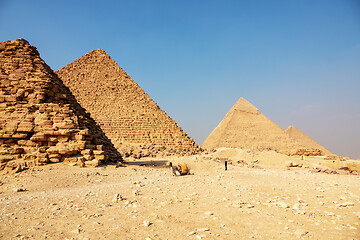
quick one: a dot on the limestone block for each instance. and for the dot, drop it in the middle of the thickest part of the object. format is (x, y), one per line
(64, 125)
(53, 139)
(25, 127)
(86, 152)
(100, 157)
(85, 132)
(20, 135)
(88, 157)
(63, 139)
(79, 145)
(93, 163)
(70, 159)
(62, 150)
(6, 158)
(27, 143)
(15, 150)
(81, 162)
(98, 152)
(39, 136)
(11, 126)
(79, 137)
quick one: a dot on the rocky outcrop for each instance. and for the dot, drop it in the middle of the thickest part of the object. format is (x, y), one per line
(40, 120)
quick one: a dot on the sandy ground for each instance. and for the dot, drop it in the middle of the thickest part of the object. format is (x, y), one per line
(260, 201)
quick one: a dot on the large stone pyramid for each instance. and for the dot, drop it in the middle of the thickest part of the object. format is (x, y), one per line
(305, 140)
(40, 120)
(124, 111)
(245, 127)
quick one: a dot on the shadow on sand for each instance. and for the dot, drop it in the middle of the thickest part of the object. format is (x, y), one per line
(151, 163)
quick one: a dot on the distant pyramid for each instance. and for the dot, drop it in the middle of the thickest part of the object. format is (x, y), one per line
(245, 127)
(40, 120)
(305, 140)
(121, 108)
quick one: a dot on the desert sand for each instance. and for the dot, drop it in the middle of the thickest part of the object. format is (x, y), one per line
(256, 198)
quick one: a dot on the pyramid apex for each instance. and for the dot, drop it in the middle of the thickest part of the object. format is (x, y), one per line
(98, 51)
(243, 105)
(290, 127)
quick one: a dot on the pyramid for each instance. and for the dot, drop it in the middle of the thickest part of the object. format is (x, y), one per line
(305, 140)
(40, 120)
(244, 126)
(123, 110)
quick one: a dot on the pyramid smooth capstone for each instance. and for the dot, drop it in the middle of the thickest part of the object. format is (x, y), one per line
(40, 120)
(244, 126)
(121, 108)
(305, 140)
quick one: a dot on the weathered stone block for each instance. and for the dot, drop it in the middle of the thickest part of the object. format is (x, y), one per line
(100, 157)
(65, 125)
(93, 163)
(38, 137)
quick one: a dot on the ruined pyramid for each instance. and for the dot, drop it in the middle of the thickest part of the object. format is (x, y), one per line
(305, 140)
(123, 110)
(40, 120)
(245, 127)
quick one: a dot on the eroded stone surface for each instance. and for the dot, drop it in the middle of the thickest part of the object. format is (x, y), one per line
(40, 120)
(127, 115)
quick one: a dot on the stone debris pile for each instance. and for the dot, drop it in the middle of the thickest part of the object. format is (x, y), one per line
(127, 115)
(40, 120)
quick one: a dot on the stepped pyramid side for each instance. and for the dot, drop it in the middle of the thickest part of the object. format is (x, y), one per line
(40, 120)
(305, 140)
(244, 126)
(123, 110)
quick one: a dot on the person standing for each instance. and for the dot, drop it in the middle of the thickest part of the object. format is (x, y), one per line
(226, 162)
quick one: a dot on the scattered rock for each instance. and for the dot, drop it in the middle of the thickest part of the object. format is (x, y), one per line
(202, 229)
(146, 223)
(77, 231)
(20, 189)
(282, 204)
(136, 193)
(301, 232)
(117, 198)
(345, 204)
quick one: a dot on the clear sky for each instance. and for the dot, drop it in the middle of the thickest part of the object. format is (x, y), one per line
(297, 61)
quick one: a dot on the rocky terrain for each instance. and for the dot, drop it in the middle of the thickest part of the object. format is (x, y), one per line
(257, 198)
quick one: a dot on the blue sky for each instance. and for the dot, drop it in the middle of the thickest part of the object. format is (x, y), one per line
(297, 61)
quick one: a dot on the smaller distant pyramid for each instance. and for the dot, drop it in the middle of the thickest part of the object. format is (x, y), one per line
(305, 140)
(244, 126)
